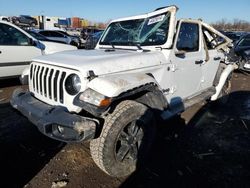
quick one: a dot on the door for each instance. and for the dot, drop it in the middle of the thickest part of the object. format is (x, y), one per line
(58, 37)
(16, 51)
(210, 66)
(187, 60)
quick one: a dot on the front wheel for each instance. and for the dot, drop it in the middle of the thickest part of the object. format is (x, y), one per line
(125, 140)
(32, 24)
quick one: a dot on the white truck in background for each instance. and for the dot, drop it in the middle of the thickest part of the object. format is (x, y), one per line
(49, 23)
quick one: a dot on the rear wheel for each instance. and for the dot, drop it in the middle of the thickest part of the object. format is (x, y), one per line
(17, 22)
(125, 140)
(73, 43)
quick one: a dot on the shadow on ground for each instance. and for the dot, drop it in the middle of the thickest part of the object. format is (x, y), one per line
(9, 82)
(212, 150)
(23, 150)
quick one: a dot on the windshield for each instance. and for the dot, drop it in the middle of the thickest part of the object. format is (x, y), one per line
(143, 32)
(244, 42)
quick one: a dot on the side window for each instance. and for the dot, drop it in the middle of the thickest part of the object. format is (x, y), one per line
(188, 39)
(56, 34)
(45, 33)
(209, 39)
(12, 36)
(212, 40)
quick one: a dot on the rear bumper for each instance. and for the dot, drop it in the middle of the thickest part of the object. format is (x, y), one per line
(54, 121)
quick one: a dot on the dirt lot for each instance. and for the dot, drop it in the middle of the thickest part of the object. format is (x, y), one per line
(206, 147)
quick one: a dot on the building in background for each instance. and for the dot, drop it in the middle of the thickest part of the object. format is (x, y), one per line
(75, 22)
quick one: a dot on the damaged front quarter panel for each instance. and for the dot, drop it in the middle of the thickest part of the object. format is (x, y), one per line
(112, 86)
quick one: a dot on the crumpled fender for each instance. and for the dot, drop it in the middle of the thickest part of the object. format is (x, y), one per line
(112, 86)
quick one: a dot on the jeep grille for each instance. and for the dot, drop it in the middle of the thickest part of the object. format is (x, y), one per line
(47, 81)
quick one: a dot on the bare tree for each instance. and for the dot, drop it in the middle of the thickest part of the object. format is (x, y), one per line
(235, 25)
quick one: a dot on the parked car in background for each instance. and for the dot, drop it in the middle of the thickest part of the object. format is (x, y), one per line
(4, 18)
(18, 47)
(235, 36)
(88, 31)
(41, 37)
(92, 40)
(242, 44)
(59, 36)
(242, 50)
(240, 53)
(24, 20)
(74, 38)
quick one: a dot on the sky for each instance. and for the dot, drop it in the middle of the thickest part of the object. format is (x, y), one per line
(104, 10)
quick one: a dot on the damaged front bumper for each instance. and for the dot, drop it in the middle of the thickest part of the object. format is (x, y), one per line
(54, 121)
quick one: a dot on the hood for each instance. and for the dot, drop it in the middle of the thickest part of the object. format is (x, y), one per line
(53, 47)
(103, 62)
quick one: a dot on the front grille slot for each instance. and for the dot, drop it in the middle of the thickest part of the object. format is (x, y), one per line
(34, 80)
(45, 82)
(61, 87)
(55, 85)
(48, 82)
(31, 71)
(37, 80)
(41, 81)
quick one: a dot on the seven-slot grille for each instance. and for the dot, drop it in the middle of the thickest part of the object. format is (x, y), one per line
(47, 81)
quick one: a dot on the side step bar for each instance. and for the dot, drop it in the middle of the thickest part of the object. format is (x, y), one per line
(180, 106)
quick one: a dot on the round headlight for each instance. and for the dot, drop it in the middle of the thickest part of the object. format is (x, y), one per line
(73, 84)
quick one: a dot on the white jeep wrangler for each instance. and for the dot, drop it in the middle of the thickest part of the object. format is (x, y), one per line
(143, 66)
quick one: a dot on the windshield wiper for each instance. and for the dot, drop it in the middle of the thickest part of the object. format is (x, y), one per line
(110, 49)
(112, 44)
(138, 45)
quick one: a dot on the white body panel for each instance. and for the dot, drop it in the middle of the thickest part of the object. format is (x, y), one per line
(66, 40)
(15, 58)
(113, 86)
(53, 47)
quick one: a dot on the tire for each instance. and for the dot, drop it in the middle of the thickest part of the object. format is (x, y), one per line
(33, 24)
(17, 22)
(73, 43)
(125, 140)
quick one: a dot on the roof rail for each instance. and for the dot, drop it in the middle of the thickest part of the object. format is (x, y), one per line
(166, 7)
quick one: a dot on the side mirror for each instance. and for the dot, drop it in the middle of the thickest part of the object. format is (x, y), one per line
(39, 45)
(180, 53)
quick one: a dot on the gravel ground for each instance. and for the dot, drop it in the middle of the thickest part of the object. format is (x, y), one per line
(206, 147)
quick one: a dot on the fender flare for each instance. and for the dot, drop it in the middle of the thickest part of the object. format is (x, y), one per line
(115, 85)
(142, 88)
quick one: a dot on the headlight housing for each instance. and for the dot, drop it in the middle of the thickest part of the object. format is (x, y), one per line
(95, 98)
(73, 84)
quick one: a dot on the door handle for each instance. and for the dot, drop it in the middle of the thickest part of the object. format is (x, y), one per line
(199, 62)
(217, 58)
